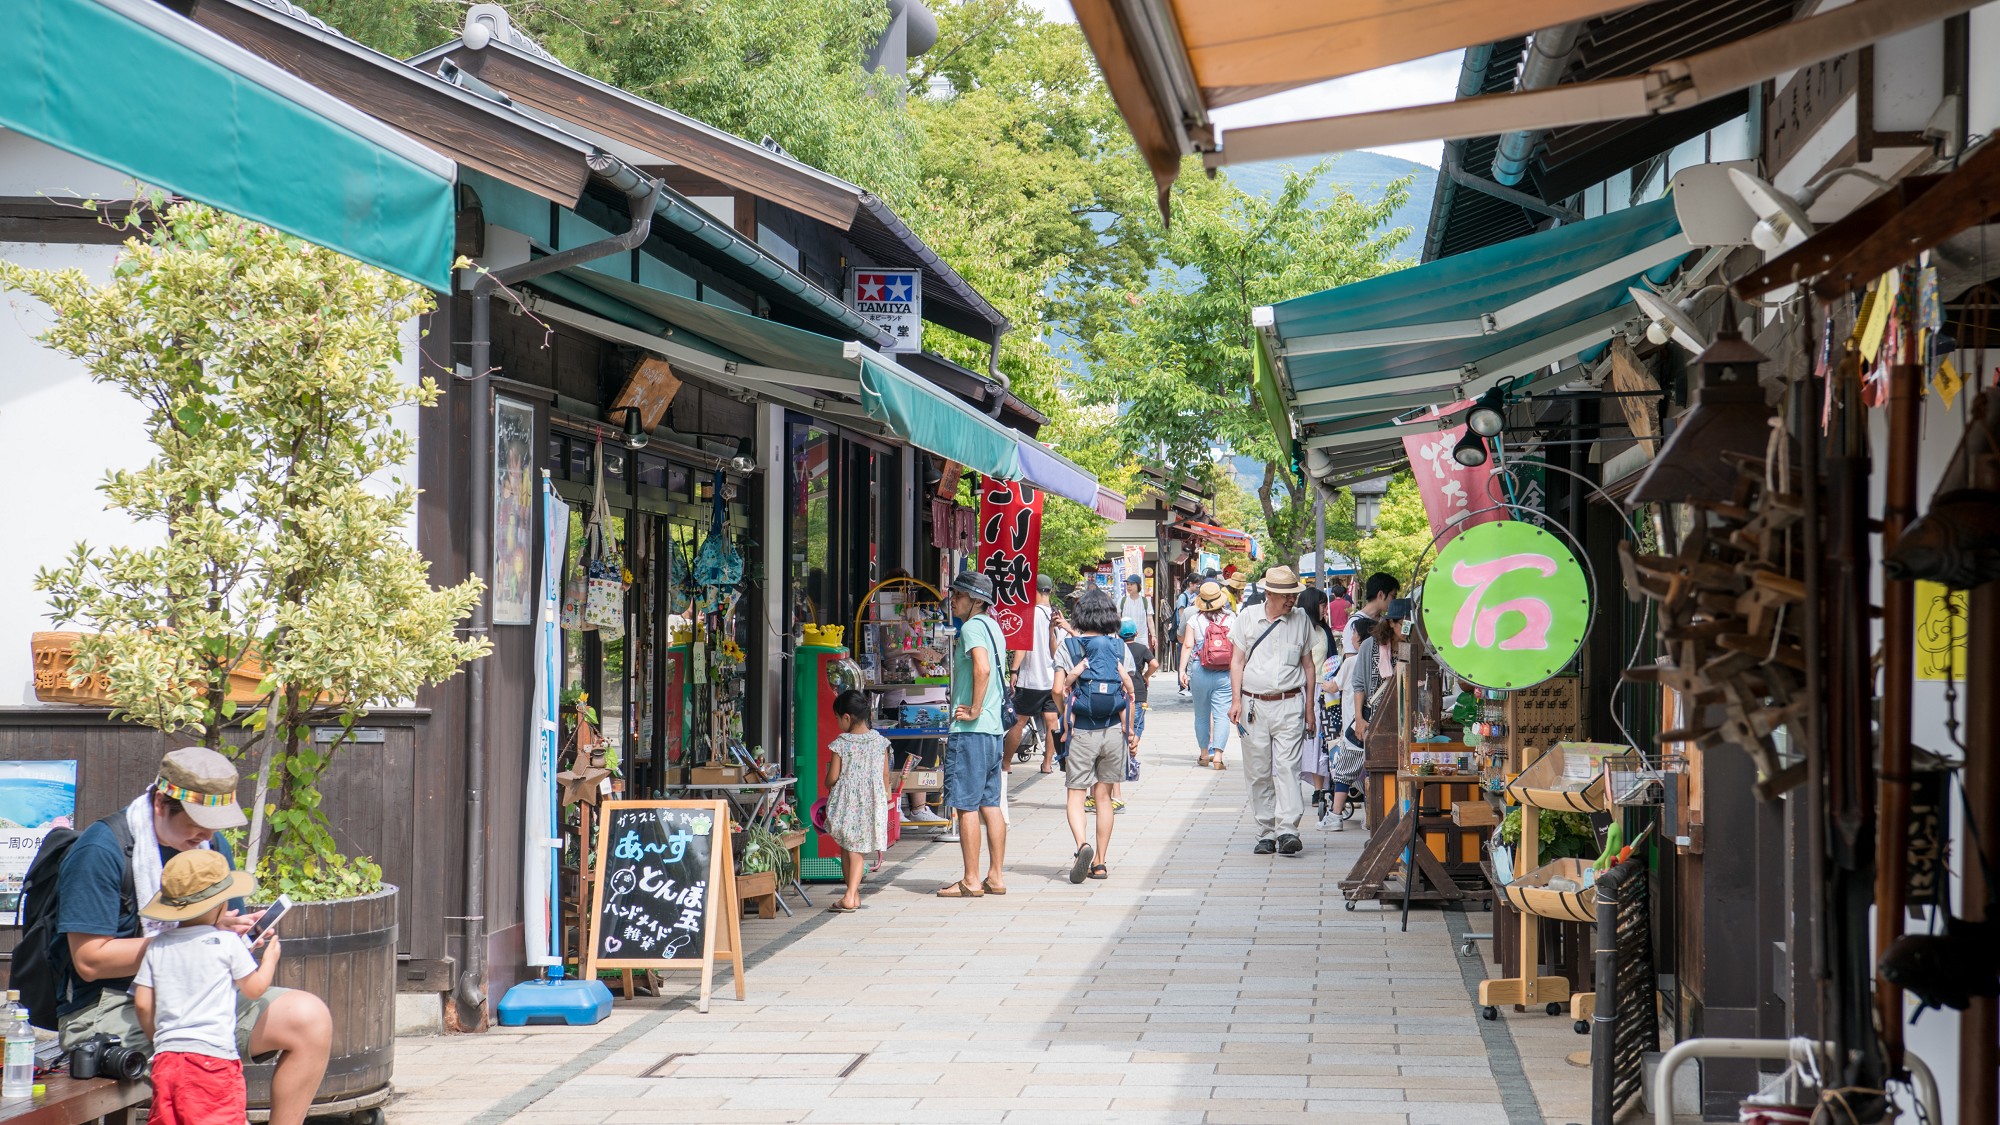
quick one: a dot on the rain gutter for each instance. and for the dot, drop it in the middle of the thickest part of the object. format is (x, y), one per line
(1548, 56)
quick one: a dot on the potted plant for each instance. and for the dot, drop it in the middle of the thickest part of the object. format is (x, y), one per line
(266, 369)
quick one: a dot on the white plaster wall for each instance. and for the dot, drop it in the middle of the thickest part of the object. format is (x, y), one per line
(29, 167)
(62, 433)
(1982, 99)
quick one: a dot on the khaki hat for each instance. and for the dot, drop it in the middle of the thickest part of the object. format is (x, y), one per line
(1236, 582)
(204, 782)
(195, 882)
(1282, 580)
(1210, 597)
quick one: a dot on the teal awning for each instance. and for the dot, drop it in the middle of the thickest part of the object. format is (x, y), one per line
(133, 86)
(909, 405)
(1351, 359)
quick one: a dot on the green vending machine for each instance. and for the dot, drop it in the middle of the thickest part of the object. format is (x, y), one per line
(821, 672)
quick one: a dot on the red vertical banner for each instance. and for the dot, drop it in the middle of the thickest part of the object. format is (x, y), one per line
(1453, 494)
(1010, 543)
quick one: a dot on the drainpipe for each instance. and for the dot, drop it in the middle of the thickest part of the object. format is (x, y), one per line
(640, 193)
(1001, 384)
(1548, 57)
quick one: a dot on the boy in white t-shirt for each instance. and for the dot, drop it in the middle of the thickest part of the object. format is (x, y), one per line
(185, 991)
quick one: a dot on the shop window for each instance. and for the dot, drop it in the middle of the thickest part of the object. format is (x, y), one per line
(652, 471)
(1731, 140)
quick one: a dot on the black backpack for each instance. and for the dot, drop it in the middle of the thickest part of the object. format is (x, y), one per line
(38, 969)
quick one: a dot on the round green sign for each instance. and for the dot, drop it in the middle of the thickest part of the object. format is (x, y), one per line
(1506, 605)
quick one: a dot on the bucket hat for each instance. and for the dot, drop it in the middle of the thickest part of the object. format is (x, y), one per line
(975, 585)
(204, 782)
(195, 882)
(1211, 598)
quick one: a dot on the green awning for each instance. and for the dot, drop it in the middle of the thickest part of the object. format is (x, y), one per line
(932, 418)
(911, 406)
(133, 86)
(1265, 382)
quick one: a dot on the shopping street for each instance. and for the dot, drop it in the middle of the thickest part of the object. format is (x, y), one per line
(1199, 984)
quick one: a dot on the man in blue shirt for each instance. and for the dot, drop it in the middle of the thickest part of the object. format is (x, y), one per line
(102, 939)
(974, 749)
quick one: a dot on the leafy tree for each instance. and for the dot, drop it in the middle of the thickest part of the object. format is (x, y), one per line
(1184, 369)
(266, 367)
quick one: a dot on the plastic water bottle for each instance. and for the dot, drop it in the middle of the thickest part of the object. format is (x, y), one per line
(19, 1078)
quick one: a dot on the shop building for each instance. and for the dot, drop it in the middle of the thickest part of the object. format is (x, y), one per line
(646, 260)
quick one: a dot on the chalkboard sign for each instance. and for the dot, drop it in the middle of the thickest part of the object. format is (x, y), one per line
(663, 890)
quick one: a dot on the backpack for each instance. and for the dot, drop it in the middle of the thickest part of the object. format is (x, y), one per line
(38, 971)
(1098, 698)
(1217, 650)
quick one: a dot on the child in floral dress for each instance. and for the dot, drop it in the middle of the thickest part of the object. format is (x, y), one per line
(857, 802)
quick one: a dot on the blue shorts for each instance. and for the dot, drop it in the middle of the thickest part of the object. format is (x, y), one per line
(972, 771)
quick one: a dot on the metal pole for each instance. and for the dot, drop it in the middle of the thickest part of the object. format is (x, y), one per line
(1320, 578)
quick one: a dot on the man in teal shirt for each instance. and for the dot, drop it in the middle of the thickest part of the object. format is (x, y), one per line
(973, 750)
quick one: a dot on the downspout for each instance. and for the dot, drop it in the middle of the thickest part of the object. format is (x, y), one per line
(1548, 57)
(640, 193)
(1002, 385)
(1471, 80)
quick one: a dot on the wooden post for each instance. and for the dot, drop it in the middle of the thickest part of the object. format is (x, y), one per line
(1978, 1028)
(1899, 602)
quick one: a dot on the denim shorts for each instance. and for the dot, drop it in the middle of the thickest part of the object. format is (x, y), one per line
(972, 771)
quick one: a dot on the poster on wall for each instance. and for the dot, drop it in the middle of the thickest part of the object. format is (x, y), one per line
(1940, 632)
(35, 797)
(892, 300)
(1454, 495)
(513, 574)
(1010, 545)
(1135, 564)
(1207, 561)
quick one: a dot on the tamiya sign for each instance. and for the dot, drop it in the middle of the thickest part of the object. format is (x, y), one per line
(1506, 605)
(891, 299)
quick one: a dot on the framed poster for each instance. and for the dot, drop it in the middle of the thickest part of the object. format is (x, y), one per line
(513, 572)
(35, 797)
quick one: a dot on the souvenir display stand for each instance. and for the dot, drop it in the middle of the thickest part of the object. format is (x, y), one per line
(905, 634)
(1567, 778)
(1418, 850)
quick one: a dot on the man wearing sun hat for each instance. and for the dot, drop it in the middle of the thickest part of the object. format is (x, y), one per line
(1274, 690)
(116, 865)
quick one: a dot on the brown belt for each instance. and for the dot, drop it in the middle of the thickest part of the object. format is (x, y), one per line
(1275, 696)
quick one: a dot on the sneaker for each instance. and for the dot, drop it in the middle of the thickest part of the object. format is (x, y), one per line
(1265, 847)
(924, 814)
(1117, 806)
(1289, 844)
(1090, 804)
(1339, 824)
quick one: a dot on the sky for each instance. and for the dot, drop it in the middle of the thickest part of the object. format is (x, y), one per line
(1434, 79)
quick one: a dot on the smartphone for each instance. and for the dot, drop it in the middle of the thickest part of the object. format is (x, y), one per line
(270, 919)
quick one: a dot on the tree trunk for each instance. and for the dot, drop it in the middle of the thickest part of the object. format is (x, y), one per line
(263, 782)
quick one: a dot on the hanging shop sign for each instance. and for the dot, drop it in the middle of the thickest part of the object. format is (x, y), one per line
(1453, 493)
(891, 300)
(1010, 543)
(1506, 605)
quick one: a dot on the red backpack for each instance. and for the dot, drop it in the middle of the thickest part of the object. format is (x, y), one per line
(1217, 650)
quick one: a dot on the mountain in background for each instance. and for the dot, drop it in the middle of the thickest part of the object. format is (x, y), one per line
(1367, 175)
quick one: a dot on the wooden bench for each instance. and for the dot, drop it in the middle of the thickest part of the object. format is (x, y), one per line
(71, 1101)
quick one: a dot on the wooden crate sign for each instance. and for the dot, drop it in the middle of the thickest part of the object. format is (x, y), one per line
(664, 891)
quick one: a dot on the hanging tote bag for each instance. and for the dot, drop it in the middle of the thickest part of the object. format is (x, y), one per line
(605, 605)
(576, 587)
(718, 566)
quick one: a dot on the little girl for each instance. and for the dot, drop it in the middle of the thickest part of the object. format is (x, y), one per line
(857, 801)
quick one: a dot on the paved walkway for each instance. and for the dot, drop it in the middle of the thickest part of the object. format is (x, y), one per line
(1200, 984)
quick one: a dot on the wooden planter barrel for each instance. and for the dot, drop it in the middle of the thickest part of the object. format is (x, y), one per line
(343, 952)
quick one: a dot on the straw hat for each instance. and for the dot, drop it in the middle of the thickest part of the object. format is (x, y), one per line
(195, 882)
(1282, 580)
(1210, 597)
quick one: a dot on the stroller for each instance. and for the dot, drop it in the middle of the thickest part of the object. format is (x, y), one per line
(1326, 743)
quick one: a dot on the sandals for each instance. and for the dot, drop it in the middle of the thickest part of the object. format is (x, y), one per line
(1081, 866)
(837, 908)
(960, 889)
(1097, 871)
(987, 886)
(1216, 763)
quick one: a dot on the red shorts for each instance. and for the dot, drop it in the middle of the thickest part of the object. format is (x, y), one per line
(191, 1089)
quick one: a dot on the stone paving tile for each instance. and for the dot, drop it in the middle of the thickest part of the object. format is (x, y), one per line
(1201, 984)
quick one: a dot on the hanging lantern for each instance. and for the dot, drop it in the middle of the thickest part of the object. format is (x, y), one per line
(1727, 414)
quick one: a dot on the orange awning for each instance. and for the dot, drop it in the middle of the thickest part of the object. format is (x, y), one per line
(1169, 62)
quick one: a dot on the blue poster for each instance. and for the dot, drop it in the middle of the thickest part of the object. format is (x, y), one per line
(34, 798)
(541, 824)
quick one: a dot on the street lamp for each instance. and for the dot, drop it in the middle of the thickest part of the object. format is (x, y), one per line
(1471, 449)
(1487, 417)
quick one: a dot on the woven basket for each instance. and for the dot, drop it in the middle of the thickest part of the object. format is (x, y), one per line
(1530, 893)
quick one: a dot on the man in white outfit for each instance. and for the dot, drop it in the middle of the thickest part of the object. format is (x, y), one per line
(1274, 699)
